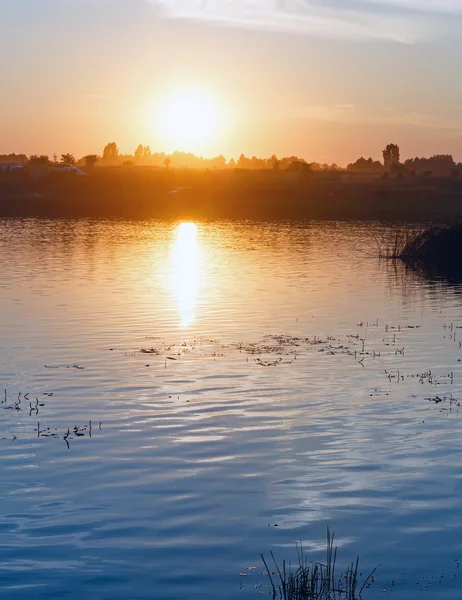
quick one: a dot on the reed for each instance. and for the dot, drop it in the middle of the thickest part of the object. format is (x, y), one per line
(392, 243)
(437, 245)
(315, 580)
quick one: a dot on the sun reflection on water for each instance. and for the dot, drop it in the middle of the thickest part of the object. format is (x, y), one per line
(186, 270)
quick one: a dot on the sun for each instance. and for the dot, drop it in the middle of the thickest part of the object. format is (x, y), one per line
(189, 121)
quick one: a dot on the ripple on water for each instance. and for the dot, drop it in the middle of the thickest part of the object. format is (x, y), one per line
(287, 389)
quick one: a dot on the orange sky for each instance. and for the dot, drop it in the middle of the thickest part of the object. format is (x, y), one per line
(321, 82)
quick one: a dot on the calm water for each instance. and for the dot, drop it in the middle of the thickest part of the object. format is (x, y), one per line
(283, 387)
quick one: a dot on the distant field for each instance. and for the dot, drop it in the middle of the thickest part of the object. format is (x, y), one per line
(239, 194)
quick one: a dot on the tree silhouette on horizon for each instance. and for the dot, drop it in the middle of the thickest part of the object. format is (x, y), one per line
(391, 156)
(68, 158)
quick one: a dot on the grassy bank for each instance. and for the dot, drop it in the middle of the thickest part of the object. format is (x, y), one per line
(436, 252)
(239, 194)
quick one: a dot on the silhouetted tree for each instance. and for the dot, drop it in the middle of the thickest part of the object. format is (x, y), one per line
(17, 158)
(90, 160)
(256, 163)
(139, 153)
(147, 154)
(391, 156)
(363, 165)
(274, 161)
(68, 158)
(167, 162)
(111, 152)
(440, 165)
(143, 154)
(243, 162)
(39, 160)
(299, 164)
(219, 162)
(293, 163)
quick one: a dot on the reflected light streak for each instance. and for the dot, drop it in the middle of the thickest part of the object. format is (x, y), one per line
(186, 271)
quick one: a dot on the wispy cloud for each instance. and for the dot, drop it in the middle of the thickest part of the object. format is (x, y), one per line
(404, 21)
(438, 7)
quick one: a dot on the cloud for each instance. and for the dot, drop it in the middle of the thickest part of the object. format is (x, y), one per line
(438, 7)
(405, 21)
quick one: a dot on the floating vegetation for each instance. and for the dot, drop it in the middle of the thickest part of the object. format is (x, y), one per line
(424, 377)
(77, 432)
(74, 366)
(22, 403)
(279, 344)
(447, 400)
(265, 363)
(373, 341)
(315, 580)
(377, 393)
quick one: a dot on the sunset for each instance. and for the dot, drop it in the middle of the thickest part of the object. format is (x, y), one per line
(186, 271)
(230, 299)
(326, 81)
(189, 120)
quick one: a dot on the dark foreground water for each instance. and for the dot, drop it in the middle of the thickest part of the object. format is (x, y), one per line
(247, 385)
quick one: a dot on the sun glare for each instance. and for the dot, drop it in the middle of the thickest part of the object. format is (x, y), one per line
(186, 271)
(188, 121)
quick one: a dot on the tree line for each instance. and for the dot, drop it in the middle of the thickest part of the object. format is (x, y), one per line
(144, 156)
(442, 165)
(437, 165)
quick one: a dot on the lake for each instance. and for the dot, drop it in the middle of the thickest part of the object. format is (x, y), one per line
(177, 398)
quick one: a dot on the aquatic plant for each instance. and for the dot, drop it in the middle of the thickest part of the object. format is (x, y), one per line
(315, 580)
(437, 246)
(392, 242)
(22, 403)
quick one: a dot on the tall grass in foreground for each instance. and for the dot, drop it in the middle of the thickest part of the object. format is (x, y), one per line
(316, 581)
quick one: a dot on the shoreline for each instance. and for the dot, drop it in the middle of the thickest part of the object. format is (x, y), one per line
(239, 195)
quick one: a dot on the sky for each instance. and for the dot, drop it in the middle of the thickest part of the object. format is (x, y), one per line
(326, 80)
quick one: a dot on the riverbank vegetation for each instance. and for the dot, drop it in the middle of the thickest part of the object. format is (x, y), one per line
(441, 165)
(156, 185)
(437, 244)
(433, 250)
(436, 251)
(392, 242)
(127, 192)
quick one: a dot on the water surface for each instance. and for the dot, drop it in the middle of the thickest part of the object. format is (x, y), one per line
(247, 385)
